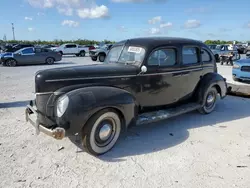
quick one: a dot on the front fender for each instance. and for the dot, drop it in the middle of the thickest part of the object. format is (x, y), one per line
(211, 80)
(85, 102)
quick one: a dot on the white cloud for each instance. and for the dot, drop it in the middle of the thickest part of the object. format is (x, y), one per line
(192, 24)
(67, 11)
(40, 14)
(93, 13)
(154, 31)
(70, 23)
(122, 28)
(84, 8)
(166, 25)
(30, 29)
(138, 1)
(155, 20)
(28, 18)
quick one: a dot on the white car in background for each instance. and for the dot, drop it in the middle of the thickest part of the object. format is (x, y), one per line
(72, 49)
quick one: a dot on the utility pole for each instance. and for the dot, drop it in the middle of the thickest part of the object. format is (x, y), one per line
(13, 31)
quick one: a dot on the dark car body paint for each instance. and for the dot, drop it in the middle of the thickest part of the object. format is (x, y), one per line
(94, 87)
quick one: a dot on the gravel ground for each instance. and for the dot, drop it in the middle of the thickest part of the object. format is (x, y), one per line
(191, 150)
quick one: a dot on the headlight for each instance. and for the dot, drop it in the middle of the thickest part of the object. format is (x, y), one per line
(236, 66)
(62, 105)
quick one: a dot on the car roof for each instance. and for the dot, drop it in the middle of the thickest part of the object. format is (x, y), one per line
(151, 42)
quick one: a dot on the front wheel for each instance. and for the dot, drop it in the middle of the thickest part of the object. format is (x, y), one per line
(101, 132)
(101, 57)
(211, 100)
(11, 63)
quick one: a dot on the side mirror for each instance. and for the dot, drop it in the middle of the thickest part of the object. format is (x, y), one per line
(143, 69)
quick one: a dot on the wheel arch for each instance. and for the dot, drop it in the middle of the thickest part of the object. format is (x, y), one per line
(86, 102)
(210, 80)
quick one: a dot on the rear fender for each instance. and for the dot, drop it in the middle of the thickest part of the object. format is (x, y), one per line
(210, 80)
(85, 102)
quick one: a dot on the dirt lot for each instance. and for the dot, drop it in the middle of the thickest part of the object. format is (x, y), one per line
(192, 150)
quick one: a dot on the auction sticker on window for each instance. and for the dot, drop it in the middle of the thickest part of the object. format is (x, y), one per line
(134, 49)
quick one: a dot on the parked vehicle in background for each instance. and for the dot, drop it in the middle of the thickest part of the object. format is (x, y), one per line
(212, 46)
(224, 49)
(100, 53)
(72, 49)
(91, 47)
(143, 80)
(241, 70)
(17, 47)
(241, 49)
(30, 55)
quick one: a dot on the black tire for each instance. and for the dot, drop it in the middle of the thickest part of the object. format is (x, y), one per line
(82, 53)
(11, 62)
(50, 60)
(94, 58)
(77, 55)
(106, 120)
(61, 53)
(211, 99)
(101, 57)
(236, 79)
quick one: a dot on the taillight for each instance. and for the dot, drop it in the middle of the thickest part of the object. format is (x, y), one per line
(91, 48)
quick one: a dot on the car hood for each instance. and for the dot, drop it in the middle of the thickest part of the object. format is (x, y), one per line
(243, 62)
(52, 79)
(6, 54)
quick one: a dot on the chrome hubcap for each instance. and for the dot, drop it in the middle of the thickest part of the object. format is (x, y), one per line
(105, 132)
(210, 98)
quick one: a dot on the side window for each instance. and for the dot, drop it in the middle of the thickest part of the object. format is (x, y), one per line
(205, 56)
(70, 46)
(163, 57)
(28, 51)
(190, 55)
(38, 50)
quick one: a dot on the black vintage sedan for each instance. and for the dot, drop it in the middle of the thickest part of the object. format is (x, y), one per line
(30, 55)
(142, 80)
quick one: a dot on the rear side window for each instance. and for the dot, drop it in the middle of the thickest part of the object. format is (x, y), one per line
(163, 57)
(190, 55)
(205, 56)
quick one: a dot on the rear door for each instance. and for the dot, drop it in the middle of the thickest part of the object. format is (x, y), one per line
(191, 70)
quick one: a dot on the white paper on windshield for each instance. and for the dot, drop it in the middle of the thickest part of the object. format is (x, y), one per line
(134, 49)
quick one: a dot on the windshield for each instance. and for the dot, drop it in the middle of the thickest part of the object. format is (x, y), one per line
(218, 47)
(126, 55)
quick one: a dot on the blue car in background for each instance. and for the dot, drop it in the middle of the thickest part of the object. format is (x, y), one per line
(241, 70)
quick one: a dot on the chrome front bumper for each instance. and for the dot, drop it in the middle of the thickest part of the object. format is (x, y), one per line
(31, 117)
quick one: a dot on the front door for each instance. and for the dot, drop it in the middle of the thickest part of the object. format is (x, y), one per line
(191, 68)
(160, 84)
(27, 56)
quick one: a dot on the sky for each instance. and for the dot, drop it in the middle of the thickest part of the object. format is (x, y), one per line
(122, 19)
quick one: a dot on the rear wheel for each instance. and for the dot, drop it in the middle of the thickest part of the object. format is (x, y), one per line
(11, 63)
(101, 132)
(94, 58)
(61, 52)
(210, 98)
(50, 60)
(82, 54)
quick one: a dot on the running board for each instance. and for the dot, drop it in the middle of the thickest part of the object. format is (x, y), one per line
(155, 116)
